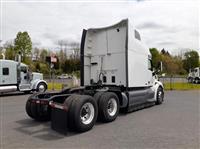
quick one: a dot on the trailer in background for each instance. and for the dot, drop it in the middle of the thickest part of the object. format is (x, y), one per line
(116, 73)
(194, 75)
(16, 76)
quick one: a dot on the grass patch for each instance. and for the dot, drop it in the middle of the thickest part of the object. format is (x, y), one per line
(55, 86)
(181, 86)
(58, 86)
(167, 86)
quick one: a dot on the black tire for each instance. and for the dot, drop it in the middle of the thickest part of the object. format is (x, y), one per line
(190, 80)
(97, 96)
(196, 81)
(104, 102)
(68, 103)
(41, 84)
(28, 109)
(76, 109)
(159, 96)
(34, 111)
(28, 106)
(38, 112)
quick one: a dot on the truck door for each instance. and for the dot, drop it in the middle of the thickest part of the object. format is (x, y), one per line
(24, 78)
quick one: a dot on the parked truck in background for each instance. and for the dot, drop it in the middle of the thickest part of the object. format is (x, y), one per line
(116, 73)
(194, 75)
(16, 76)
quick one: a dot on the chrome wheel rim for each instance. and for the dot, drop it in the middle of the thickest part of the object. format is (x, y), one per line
(87, 113)
(41, 88)
(112, 107)
(160, 96)
(196, 81)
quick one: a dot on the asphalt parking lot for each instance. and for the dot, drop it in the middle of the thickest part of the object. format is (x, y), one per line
(172, 125)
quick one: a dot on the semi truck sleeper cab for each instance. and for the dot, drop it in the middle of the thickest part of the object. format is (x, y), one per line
(116, 73)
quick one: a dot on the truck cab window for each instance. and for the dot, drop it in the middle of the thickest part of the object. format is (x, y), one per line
(5, 71)
(23, 69)
(137, 35)
(150, 64)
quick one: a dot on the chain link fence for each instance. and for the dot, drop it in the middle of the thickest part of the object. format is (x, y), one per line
(178, 83)
(170, 83)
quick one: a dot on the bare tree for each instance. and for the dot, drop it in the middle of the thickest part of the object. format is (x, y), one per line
(75, 46)
(36, 53)
(63, 44)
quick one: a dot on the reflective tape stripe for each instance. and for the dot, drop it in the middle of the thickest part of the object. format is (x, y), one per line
(58, 106)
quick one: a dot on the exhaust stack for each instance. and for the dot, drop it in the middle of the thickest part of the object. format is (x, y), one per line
(18, 58)
(3, 55)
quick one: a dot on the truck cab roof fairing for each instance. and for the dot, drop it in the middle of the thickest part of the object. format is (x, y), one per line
(103, 46)
(122, 23)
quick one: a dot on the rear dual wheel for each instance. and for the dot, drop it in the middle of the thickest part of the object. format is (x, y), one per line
(37, 111)
(108, 105)
(83, 112)
(28, 108)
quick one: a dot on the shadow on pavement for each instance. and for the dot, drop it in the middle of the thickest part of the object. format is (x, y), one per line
(14, 94)
(41, 130)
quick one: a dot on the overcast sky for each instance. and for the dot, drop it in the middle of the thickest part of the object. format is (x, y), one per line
(169, 24)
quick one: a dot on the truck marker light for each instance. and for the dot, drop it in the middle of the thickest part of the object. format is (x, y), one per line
(43, 102)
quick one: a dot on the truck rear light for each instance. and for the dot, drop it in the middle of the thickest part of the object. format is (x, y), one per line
(44, 102)
(33, 101)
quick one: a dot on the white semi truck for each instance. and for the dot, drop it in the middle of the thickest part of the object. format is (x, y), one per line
(15, 76)
(194, 75)
(116, 73)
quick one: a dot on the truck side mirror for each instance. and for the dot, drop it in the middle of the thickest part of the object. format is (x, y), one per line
(160, 67)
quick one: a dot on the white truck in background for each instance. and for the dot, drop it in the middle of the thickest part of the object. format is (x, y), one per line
(116, 73)
(194, 75)
(16, 76)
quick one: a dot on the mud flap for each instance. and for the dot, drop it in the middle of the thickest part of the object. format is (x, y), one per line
(59, 120)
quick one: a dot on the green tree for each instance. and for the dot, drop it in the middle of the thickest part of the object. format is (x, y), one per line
(191, 60)
(171, 65)
(1, 51)
(23, 44)
(156, 57)
(10, 51)
(43, 55)
(37, 67)
(179, 62)
(44, 68)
